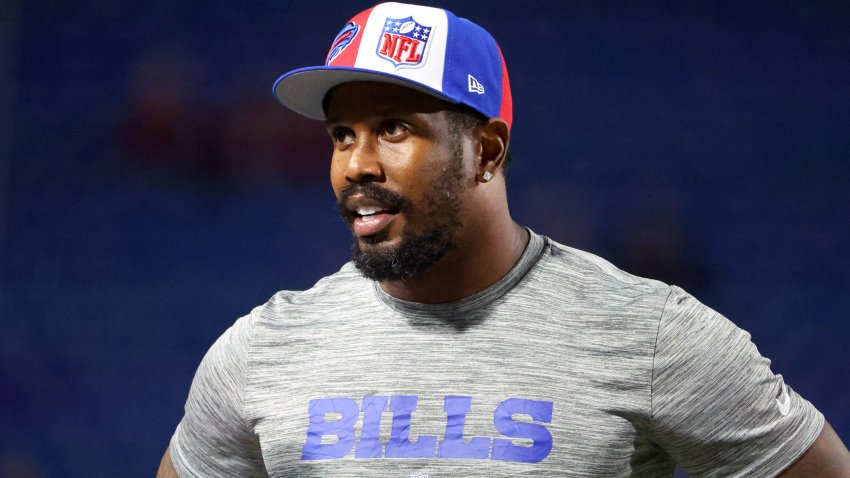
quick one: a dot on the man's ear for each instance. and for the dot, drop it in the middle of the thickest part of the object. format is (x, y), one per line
(494, 137)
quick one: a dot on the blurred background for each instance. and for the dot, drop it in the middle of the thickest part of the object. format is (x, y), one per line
(152, 191)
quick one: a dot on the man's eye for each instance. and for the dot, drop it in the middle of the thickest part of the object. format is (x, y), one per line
(393, 129)
(342, 136)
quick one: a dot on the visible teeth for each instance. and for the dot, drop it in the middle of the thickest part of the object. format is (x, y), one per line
(367, 211)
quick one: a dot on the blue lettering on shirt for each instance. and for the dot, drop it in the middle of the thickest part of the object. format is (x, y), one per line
(400, 445)
(336, 417)
(504, 449)
(370, 445)
(453, 444)
(343, 428)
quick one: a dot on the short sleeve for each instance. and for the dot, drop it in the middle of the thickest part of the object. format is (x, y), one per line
(717, 408)
(213, 439)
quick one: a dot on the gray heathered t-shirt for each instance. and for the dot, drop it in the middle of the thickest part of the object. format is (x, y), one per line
(566, 367)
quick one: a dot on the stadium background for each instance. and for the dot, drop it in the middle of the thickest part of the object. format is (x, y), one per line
(152, 191)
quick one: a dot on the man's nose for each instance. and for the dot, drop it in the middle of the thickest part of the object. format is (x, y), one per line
(364, 164)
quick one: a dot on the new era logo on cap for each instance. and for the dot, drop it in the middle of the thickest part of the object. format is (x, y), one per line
(424, 48)
(475, 86)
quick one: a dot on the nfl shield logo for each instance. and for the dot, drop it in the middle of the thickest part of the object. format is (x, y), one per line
(404, 42)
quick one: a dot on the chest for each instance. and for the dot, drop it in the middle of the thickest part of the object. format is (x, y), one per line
(496, 400)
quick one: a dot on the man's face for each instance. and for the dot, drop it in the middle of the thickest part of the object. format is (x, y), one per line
(399, 173)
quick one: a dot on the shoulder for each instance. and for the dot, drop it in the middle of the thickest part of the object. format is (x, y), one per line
(590, 278)
(333, 291)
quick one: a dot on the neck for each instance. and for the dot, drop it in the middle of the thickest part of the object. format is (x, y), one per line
(477, 263)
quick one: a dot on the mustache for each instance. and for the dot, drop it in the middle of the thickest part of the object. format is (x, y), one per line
(388, 198)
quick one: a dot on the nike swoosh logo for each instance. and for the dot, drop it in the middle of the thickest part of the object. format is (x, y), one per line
(785, 404)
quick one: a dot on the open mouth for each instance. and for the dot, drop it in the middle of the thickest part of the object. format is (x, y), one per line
(371, 220)
(369, 209)
(367, 212)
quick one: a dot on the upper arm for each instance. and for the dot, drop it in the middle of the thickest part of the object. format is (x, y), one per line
(215, 438)
(717, 407)
(827, 457)
(166, 467)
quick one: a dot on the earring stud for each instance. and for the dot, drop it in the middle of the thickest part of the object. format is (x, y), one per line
(487, 176)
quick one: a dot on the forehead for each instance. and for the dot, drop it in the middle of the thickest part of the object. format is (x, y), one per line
(362, 99)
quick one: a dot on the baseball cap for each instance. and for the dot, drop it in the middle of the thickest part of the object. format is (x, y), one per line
(424, 48)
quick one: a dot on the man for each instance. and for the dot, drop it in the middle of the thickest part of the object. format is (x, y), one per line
(458, 343)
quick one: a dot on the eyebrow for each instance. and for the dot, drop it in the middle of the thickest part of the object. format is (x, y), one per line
(382, 113)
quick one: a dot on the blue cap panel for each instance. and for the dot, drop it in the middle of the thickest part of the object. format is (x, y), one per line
(473, 70)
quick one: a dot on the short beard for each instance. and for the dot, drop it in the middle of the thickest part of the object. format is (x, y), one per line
(415, 254)
(417, 251)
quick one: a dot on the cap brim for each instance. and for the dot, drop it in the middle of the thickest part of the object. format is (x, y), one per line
(304, 89)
